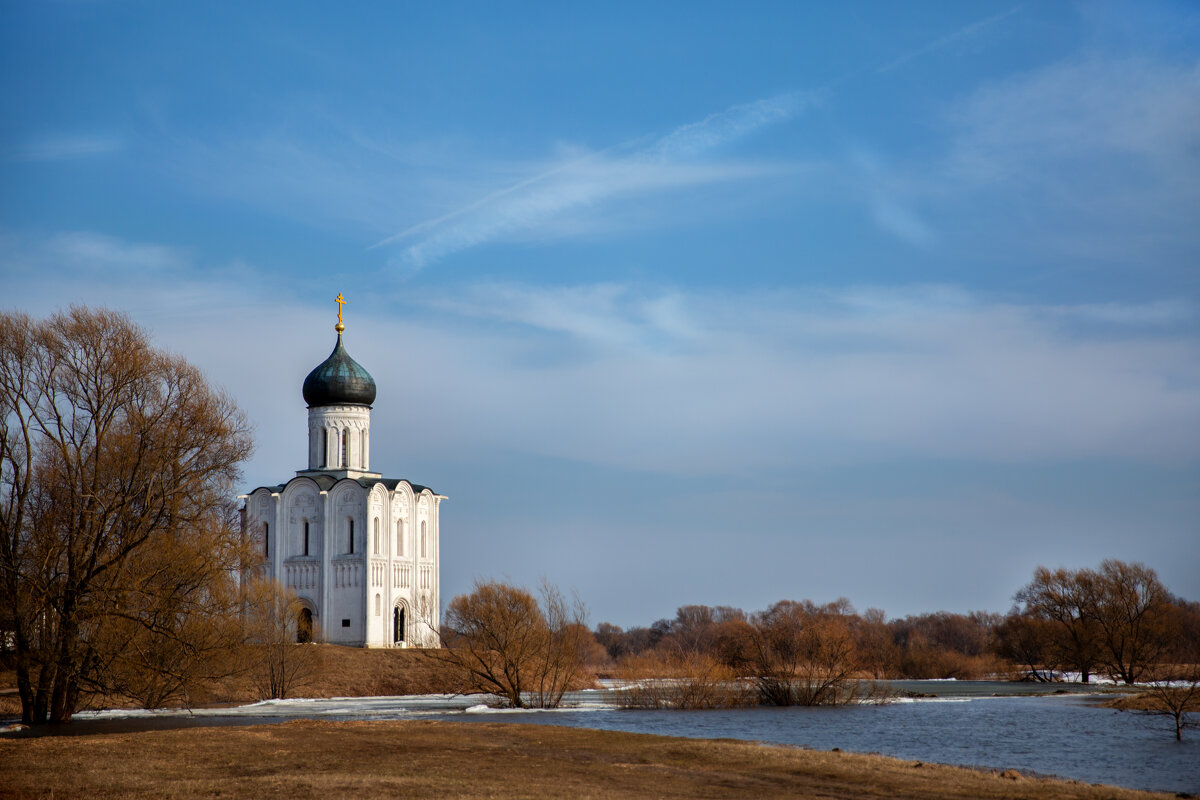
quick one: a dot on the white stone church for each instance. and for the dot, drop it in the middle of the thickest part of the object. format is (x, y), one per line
(359, 550)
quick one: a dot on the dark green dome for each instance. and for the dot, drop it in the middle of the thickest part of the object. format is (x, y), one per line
(339, 380)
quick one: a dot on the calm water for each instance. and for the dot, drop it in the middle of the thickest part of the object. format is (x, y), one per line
(1066, 735)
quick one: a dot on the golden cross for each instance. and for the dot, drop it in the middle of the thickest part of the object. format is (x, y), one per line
(341, 302)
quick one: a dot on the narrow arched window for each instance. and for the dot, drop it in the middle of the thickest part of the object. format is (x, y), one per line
(346, 449)
(399, 537)
(351, 548)
(324, 447)
(424, 541)
(266, 539)
(375, 536)
(305, 537)
(377, 606)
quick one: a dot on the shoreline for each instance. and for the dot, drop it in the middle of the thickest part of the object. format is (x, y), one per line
(229, 712)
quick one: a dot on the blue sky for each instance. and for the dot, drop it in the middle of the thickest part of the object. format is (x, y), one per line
(687, 303)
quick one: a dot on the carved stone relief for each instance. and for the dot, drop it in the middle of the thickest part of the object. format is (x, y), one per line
(400, 506)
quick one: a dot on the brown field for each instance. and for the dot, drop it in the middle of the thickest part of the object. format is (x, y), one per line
(306, 759)
(336, 672)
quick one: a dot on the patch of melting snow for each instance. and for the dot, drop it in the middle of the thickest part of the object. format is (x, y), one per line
(486, 709)
(933, 699)
(135, 713)
(1077, 677)
(398, 706)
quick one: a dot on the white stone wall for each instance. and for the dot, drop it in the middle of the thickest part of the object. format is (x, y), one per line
(390, 563)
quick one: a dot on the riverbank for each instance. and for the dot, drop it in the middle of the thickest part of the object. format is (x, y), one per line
(473, 760)
(328, 671)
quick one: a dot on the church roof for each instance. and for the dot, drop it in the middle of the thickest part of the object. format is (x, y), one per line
(327, 482)
(339, 380)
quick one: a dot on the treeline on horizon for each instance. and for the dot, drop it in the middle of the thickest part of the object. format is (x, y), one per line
(1117, 621)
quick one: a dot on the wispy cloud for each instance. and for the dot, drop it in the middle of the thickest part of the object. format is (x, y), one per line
(963, 33)
(666, 164)
(157, 281)
(532, 204)
(103, 254)
(1094, 160)
(750, 380)
(1080, 109)
(60, 147)
(685, 381)
(890, 206)
(606, 316)
(724, 127)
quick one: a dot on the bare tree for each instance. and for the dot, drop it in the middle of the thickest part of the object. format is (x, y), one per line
(1028, 641)
(1136, 620)
(679, 679)
(109, 449)
(508, 644)
(877, 649)
(566, 645)
(280, 655)
(1177, 698)
(1064, 597)
(173, 623)
(1120, 617)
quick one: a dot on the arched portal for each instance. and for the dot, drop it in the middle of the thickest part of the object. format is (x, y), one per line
(398, 625)
(304, 626)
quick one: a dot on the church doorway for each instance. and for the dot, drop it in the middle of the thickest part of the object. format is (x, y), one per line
(398, 625)
(304, 626)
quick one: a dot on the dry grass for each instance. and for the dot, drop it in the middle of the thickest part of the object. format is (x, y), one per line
(308, 759)
(337, 672)
(1146, 702)
(356, 672)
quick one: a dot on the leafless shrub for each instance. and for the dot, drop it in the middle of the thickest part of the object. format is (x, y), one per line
(506, 643)
(1176, 696)
(277, 663)
(680, 681)
(803, 655)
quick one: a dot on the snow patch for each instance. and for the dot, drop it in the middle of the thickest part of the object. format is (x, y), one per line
(934, 699)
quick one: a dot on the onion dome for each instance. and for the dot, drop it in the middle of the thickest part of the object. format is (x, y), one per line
(339, 380)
